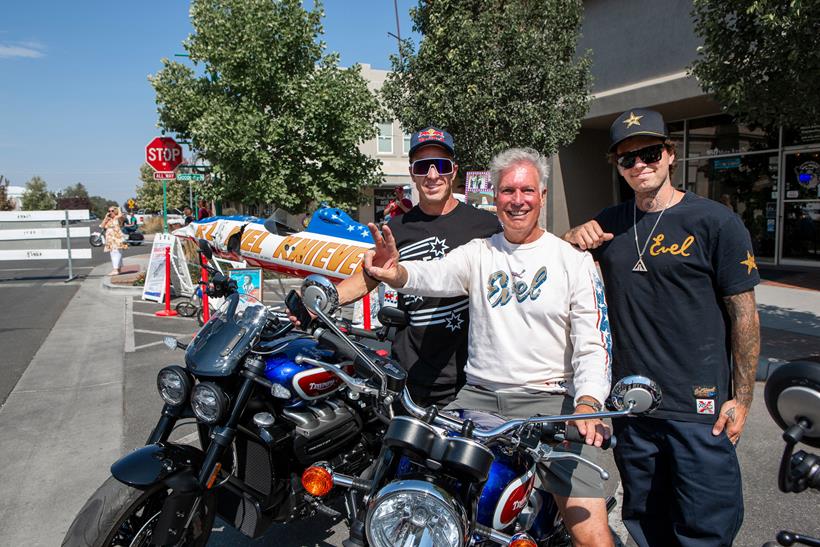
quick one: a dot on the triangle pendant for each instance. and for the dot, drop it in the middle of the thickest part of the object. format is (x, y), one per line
(639, 266)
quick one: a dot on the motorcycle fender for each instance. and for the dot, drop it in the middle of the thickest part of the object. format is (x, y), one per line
(154, 463)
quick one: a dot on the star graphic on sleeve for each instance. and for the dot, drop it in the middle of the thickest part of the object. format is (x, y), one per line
(632, 120)
(454, 322)
(439, 247)
(749, 262)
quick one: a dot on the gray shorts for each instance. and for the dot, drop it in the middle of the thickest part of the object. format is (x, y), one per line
(562, 477)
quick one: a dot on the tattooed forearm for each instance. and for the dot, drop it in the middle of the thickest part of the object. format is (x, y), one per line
(745, 326)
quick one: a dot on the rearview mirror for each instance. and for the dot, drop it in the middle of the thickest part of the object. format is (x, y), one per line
(636, 393)
(392, 317)
(319, 293)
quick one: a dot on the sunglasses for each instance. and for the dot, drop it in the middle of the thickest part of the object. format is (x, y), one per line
(648, 154)
(443, 166)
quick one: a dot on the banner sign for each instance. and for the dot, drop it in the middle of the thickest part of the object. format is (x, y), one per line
(154, 288)
(44, 233)
(26, 216)
(44, 254)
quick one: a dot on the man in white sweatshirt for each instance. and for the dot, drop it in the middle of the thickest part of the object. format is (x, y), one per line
(539, 340)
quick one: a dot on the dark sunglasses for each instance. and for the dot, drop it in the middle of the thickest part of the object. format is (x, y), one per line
(443, 166)
(648, 154)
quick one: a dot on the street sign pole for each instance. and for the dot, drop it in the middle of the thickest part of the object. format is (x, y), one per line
(190, 196)
(165, 205)
(68, 247)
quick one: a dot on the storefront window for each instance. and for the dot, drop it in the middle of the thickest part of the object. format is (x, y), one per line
(721, 135)
(809, 134)
(745, 184)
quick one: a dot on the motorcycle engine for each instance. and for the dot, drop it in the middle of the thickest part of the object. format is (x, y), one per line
(322, 429)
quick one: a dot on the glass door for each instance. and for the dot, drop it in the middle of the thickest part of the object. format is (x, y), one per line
(801, 207)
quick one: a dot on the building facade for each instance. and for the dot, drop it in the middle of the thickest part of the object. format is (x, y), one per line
(641, 51)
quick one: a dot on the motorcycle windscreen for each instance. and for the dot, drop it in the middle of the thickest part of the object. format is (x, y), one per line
(227, 337)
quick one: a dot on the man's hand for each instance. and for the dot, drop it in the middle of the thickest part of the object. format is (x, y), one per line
(587, 236)
(382, 262)
(732, 418)
(595, 431)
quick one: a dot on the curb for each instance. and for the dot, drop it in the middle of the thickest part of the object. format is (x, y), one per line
(122, 289)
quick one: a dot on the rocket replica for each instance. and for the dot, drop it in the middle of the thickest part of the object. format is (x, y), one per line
(333, 244)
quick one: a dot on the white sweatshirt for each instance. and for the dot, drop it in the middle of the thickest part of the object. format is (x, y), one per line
(538, 317)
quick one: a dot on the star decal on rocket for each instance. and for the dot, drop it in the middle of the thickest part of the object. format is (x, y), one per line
(454, 322)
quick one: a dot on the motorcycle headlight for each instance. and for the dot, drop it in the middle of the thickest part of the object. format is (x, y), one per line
(413, 514)
(174, 385)
(209, 403)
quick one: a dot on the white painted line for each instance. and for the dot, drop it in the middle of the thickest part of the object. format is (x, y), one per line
(29, 284)
(40, 269)
(148, 345)
(144, 331)
(190, 438)
(129, 325)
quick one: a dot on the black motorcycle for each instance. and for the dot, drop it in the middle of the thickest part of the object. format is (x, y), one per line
(262, 419)
(449, 480)
(792, 398)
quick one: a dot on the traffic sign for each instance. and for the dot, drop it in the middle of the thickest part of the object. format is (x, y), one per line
(164, 154)
(164, 175)
(131, 203)
(195, 177)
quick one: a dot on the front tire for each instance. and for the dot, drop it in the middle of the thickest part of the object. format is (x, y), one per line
(117, 514)
(95, 240)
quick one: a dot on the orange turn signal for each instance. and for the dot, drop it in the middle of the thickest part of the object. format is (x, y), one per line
(522, 540)
(317, 480)
(212, 478)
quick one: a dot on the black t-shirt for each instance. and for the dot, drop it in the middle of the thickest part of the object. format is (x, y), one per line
(669, 323)
(433, 347)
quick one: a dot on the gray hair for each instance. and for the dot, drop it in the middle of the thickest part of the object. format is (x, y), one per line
(513, 156)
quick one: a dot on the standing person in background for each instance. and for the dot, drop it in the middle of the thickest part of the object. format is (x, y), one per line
(680, 276)
(203, 212)
(188, 215)
(114, 243)
(398, 206)
(433, 346)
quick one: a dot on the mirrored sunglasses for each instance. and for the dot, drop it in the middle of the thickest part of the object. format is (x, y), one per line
(648, 154)
(443, 166)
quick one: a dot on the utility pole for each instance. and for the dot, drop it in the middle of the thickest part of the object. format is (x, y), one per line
(397, 36)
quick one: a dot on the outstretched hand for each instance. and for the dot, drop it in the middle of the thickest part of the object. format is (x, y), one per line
(587, 236)
(382, 262)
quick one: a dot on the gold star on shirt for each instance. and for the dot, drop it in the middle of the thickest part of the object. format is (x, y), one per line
(749, 262)
(632, 120)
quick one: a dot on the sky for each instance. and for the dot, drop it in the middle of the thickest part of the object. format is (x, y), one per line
(75, 102)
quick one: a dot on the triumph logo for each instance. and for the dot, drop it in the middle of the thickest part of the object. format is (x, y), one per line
(322, 385)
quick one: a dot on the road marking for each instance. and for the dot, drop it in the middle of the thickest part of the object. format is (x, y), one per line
(144, 331)
(148, 345)
(149, 314)
(129, 325)
(22, 285)
(41, 269)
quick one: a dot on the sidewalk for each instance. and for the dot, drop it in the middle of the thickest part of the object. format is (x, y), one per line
(62, 425)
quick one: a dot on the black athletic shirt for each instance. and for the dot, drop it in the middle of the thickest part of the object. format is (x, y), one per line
(433, 348)
(669, 323)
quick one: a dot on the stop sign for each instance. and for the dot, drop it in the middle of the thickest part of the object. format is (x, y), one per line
(163, 154)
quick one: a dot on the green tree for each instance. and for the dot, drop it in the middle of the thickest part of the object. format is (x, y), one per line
(149, 192)
(6, 203)
(37, 197)
(494, 73)
(74, 191)
(274, 115)
(73, 197)
(99, 205)
(761, 58)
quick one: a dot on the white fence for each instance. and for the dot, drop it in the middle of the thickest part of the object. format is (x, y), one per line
(65, 232)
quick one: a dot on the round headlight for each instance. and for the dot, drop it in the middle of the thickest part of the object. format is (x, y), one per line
(174, 385)
(209, 403)
(415, 513)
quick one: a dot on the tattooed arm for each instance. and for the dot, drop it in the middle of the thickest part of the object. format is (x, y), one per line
(745, 326)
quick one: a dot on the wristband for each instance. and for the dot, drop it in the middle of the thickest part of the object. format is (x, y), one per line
(594, 405)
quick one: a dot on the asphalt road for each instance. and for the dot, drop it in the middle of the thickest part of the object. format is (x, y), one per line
(33, 294)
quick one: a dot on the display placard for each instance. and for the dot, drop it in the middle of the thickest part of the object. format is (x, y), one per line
(248, 281)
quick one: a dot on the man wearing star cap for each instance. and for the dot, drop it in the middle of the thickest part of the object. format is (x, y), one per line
(539, 336)
(433, 347)
(679, 273)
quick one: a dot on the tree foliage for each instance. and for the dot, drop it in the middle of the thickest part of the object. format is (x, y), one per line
(99, 205)
(275, 116)
(73, 197)
(761, 58)
(37, 197)
(149, 193)
(494, 73)
(6, 203)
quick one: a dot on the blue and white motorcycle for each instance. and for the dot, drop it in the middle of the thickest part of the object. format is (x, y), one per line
(444, 480)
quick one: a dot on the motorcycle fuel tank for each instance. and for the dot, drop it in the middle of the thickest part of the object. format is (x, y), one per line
(300, 384)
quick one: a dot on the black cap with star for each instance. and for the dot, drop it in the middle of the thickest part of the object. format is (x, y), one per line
(634, 122)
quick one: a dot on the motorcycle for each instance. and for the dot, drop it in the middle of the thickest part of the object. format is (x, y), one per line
(451, 480)
(792, 396)
(261, 418)
(133, 238)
